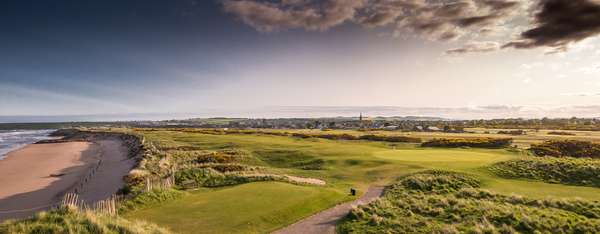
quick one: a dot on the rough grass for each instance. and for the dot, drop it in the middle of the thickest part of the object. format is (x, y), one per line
(446, 202)
(572, 171)
(290, 159)
(69, 221)
(148, 199)
(474, 142)
(567, 148)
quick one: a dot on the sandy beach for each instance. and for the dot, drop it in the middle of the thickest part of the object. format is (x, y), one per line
(37, 176)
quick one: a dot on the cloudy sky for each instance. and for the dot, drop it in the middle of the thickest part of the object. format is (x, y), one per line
(190, 56)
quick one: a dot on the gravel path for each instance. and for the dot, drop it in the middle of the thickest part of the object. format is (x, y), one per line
(324, 221)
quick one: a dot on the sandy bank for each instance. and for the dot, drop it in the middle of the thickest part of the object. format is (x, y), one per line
(37, 176)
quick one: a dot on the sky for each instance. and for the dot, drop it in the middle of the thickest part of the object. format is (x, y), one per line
(457, 58)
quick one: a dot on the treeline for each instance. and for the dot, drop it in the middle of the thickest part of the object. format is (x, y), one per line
(475, 143)
(512, 132)
(567, 148)
(571, 171)
(561, 133)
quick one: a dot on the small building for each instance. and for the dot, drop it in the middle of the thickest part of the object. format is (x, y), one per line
(433, 129)
(390, 128)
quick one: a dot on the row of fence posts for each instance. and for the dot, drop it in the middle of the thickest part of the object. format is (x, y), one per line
(81, 185)
(162, 183)
(107, 206)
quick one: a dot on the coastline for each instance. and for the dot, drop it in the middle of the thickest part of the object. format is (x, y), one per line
(36, 177)
(13, 140)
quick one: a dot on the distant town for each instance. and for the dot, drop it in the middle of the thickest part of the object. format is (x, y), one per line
(407, 123)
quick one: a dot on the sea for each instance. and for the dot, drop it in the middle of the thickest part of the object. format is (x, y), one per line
(15, 139)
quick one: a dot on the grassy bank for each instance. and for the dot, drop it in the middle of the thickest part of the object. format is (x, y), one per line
(72, 221)
(446, 202)
(571, 171)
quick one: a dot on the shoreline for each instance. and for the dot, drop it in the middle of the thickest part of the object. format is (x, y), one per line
(29, 139)
(36, 177)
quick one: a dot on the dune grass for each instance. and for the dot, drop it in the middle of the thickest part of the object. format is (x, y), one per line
(448, 202)
(265, 206)
(73, 221)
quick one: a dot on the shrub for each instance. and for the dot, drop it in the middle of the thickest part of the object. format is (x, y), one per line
(475, 142)
(570, 148)
(331, 136)
(390, 138)
(561, 133)
(513, 132)
(204, 157)
(572, 171)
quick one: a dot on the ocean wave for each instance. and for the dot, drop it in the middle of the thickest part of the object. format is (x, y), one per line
(15, 139)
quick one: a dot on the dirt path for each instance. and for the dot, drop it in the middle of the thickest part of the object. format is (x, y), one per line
(324, 221)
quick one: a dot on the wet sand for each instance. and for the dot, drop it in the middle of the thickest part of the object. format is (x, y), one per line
(36, 177)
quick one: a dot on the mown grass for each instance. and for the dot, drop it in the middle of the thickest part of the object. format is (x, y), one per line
(341, 163)
(248, 208)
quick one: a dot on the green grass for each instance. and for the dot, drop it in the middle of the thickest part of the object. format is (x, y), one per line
(566, 170)
(73, 221)
(248, 208)
(262, 207)
(449, 202)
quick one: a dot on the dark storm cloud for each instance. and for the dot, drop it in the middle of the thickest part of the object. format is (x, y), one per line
(311, 15)
(559, 23)
(435, 20)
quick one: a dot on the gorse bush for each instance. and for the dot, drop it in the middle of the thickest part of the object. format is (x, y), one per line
(561, 133)
(390, 138)
(512, 132)
(572, 171)
(70, 221)
(447, 202)
(475, 143)
(567, 148)
(197, 156)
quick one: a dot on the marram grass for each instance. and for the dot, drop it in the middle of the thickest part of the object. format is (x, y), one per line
(73, 221)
